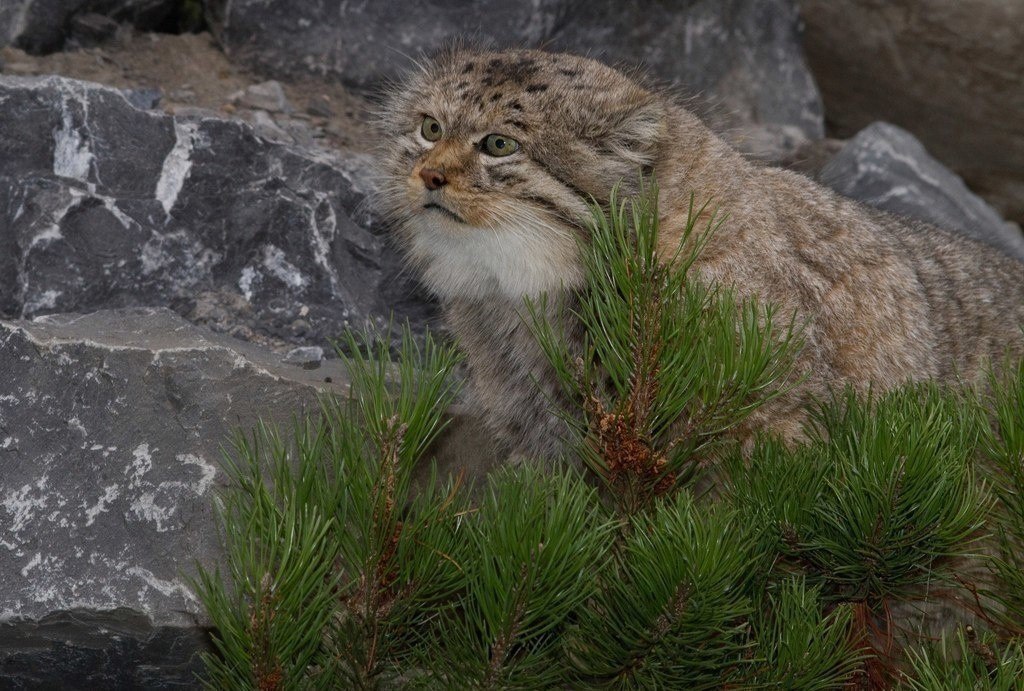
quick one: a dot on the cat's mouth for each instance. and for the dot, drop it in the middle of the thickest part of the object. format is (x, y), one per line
(448, 212)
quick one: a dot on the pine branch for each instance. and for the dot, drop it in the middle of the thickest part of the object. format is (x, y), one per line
(278, 599)
(799, 646)
(538, 545)
(1004, 446)
(672, 613)
(969, 662)
(664, 366)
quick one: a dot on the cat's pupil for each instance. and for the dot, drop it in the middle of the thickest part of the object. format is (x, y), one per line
(434, 127)
(499, 143)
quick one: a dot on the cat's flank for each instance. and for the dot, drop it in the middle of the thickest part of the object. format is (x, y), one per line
(491, 157)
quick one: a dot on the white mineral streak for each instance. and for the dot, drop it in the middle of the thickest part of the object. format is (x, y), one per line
(208, 470)
(45, 300)
(110, 205)
(34, 562)
(177, 165)
(145, 508)
(72, 157)
(110, 493)
(48, 235)
(164, 587)
(141, 463)
(275, 262)
(22, 507)
(323, 235)
(245, 282)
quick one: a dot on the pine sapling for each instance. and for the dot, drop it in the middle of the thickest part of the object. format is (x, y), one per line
(656, 366)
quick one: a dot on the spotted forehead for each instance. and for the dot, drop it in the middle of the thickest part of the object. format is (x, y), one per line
(519, 89)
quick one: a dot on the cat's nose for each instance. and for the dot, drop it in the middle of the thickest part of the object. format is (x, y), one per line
(433, 178)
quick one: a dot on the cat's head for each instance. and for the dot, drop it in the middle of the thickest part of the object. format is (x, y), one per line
(491, 158)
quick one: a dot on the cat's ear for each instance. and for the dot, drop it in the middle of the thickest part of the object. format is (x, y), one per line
(636, 134)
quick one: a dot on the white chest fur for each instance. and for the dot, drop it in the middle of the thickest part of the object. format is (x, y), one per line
(515, 259)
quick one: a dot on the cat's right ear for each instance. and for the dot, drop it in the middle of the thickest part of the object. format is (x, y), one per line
(636, 134)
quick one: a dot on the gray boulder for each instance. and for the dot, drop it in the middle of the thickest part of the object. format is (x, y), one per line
(365, 42)
(950, 71)
(103, 205)
(886, 167)
(741, 58)
(111, 429)
(111, 432)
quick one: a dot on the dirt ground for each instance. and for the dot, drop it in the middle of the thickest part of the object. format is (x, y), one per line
(191, 72)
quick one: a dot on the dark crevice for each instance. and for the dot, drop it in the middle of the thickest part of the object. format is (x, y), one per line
(51, 29)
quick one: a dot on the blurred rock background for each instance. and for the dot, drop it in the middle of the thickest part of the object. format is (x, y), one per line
(186, 220)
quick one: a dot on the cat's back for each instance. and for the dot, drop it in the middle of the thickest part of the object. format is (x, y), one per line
(888, 298)
(974, 292)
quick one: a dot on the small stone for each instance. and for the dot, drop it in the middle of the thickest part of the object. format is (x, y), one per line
(307, 357)
(144, 98)
(300, 132)
(320, 105)
(183, 95)
(91, 29)
(267, 96)
(267, 128)
(191, 112)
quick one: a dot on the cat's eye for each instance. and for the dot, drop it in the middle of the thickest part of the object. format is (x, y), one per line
(499, 145)
(431, 129)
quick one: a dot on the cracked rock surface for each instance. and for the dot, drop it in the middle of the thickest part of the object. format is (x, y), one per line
(111, 431)
(104, 205)
(112, 427)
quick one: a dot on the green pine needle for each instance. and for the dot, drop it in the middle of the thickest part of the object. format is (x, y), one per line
(665, 365)
(672, 614)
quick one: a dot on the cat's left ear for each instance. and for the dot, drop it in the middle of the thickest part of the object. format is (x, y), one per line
(636, 134)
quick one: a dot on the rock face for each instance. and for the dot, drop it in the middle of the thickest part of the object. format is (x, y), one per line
(103, 205)
(886, 167)
(948, 70)
(364, 42)
(86, 650)
(111, 432)
(741, 57)
(42, 26)
(111, 429)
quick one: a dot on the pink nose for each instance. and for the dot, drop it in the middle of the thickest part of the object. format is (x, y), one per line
(434, 179)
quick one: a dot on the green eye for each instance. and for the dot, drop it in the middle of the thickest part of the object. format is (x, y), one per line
(500, 145)
(431, 129)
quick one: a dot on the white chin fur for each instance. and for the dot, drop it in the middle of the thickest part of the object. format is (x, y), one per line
(461, 261)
